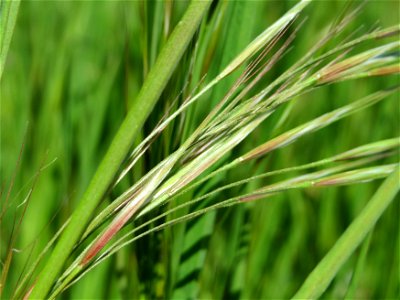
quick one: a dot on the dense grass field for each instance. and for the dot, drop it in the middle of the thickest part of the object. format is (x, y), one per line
(196, 209)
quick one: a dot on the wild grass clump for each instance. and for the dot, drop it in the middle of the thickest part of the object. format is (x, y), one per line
(205, 130)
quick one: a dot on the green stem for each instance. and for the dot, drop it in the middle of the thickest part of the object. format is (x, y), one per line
(320, 278)
(149, 94)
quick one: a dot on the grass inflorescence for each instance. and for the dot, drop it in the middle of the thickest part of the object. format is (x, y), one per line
(212, 157)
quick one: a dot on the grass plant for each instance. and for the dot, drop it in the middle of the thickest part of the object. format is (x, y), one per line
(211, 149)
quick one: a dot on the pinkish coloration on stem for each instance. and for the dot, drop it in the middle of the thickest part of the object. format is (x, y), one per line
(28, 293)
(115, 226)
(266, 147)
(252, 197)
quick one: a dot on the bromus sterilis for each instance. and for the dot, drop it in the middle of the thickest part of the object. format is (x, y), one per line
(192, 144)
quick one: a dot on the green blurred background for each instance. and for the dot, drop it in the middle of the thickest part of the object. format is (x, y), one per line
(74, 68)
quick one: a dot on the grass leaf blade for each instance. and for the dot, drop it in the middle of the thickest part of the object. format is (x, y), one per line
(320, 278)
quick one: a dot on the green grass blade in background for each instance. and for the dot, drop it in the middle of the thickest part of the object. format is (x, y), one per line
(326, 270)
(359, 267)
(8, 17)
